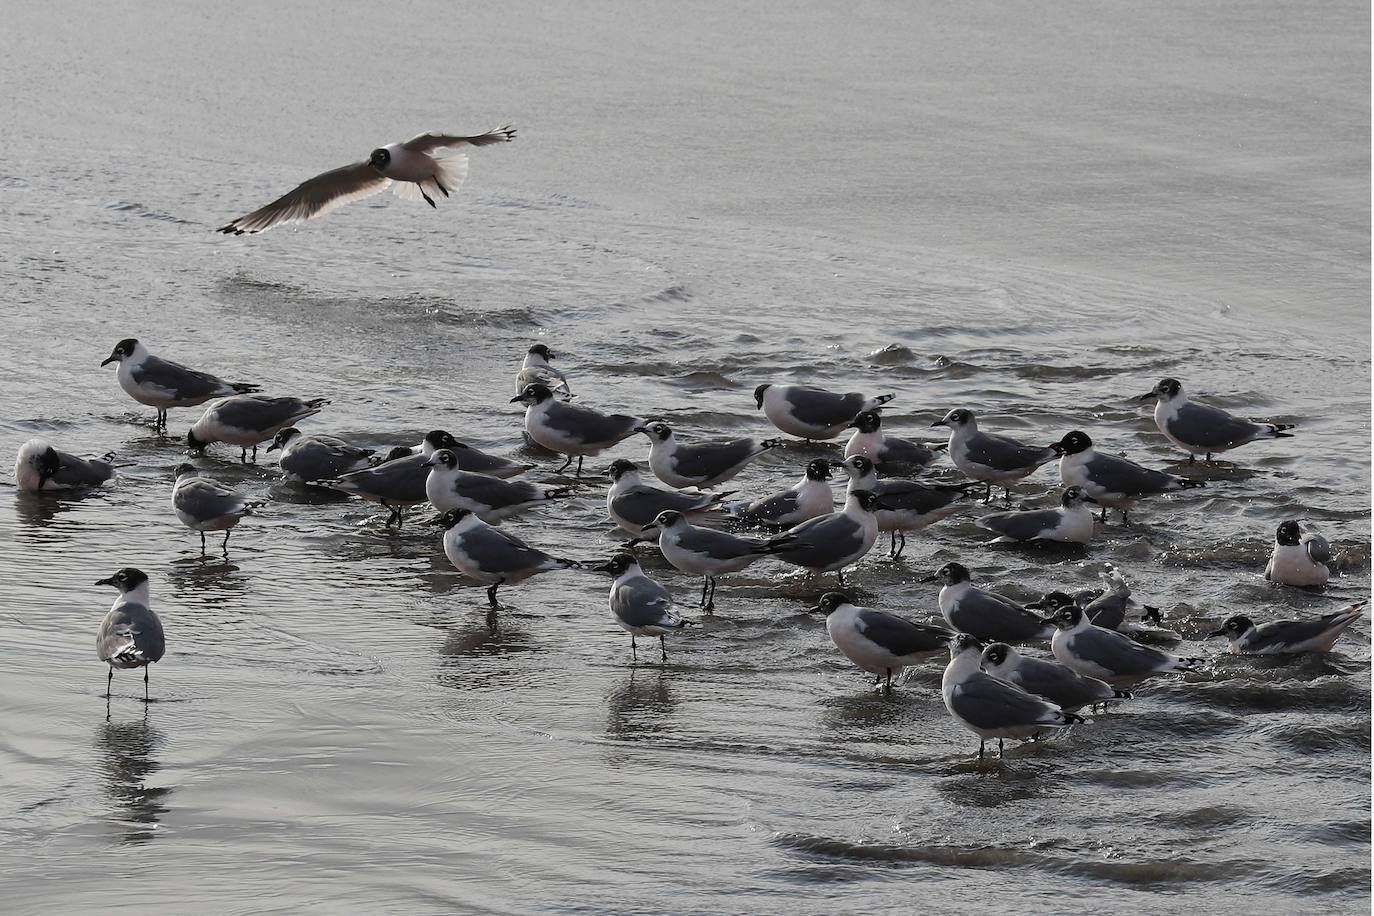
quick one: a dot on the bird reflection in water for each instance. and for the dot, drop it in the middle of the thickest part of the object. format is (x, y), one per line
(472, 654)
(128, 760)
(640, 708)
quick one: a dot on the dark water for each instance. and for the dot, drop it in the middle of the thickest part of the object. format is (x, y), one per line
(1035, 213)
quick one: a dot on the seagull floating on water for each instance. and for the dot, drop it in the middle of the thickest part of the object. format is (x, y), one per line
(1297, 559)
(992, 459)
(248, 420)
(410, 165)
(1070, 523)
(640, 605)
(536, 370)
(205, 505)
(1112, 481)
(40, 467)
(314, 458)
(131, 635)
(700, 464)
(569, 429)
(163, 384)
(1286, 637)
(1200, 429)
(880, 643)
(491, 556)
(809, 497)
(813, 413)
(983, 614)
(908, 505)
(889, 453)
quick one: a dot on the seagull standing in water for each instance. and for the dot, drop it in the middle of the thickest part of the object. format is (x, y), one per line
(832, 542)
(809, 497)
(161, 383)
(1286, 637)
(705, 552)
(1059, 684)
(396, 484)
(1297, 559)
(701, 464)
(633, 504)
(313, 458)
(204, 505)
(813, 413)
(909, 505)
(992, 459)
(983, 614)
(248, 420)
(536, 369)
(571, 430)
(880, 643)
(39, 467)
(1200, 429)
(640, 605)
(1114, 482)
(1104, 654)
(410, 165)
(991, 707)
(889, 453)
(491, 556)
(491, 499)
(470, 458)
(131, 635)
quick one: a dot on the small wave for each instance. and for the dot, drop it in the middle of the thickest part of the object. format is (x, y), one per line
(137, 209)
(11, 182)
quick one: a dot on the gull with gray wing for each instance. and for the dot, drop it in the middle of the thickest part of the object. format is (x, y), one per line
(396, 484)
(983, 614)
(909, 505)
(205, 505)
(131, 634)
(705, 552)
(41, 467)
(248, 420)
(813, 413)
(536, 369)
(831, 542)
(1070, 523)
(491, 499)
(1112, 481)
(700, 464)
(1104, 654)
(880, 643)
(640, 605)
(1298, 559)
(890, 454)
(470, 457)
(1286, 637)
(809, 497)
(633, 504)
(315, 458)
(1200, 429)
(990, 458)
(569, 429)
(1059, 684)
(491, 556)
(163, 384)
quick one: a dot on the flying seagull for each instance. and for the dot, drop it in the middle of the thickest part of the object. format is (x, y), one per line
(410, 165)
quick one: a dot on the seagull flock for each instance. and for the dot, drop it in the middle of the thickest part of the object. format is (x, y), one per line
(1097, 651)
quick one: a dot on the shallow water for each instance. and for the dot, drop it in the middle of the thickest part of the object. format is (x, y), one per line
(1033, 214)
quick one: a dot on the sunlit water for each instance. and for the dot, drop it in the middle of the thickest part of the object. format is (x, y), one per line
(1032, 213)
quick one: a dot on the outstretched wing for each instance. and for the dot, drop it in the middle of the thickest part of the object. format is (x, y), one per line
(428, 143)
(312, 198)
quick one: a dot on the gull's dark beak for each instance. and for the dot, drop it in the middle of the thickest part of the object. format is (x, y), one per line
(1148, 396)
(938, 423)
(647, 535)
(815, 610)
(853, 424)
(112, 358)
(517, 399)
(930, 578)
(108, 580)
(274, 446)
(1036, 606)
(436, 520)
(600, 567)
(1215, 634)
(642, 429)
(1089, 499)
(428, 462)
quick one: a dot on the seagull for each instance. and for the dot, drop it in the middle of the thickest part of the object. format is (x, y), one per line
(130, 636)
(832, 542)
(536, 370)
(1104, 654)
(1110, 608)
(1071, 523)
(992, 459)
(491, 499)
(162, 383)
(887, 452)
(880, 643)
(991, 707)
(1199, 429)
(1059, 684)
(247, 420)
(204, 505)
(396, 484)
(911, 505)
(39, 467)
(571, 430)
(640, 605)
(633, 504)
(1114, 482)
(470, 458)
(703, 551)
(1286, 637)
(809, 497)
(409, 164)
(314, 458)
(1298, 560)
(983, 614)
(704, 464)
(813, 413)
(492, 556)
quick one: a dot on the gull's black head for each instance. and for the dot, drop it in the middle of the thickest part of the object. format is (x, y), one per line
(399, 451)
(1234, 627)
(438, 438)
(657, 431)
(193, 443)
(1289, 534)
(123, 349)
(619, 563)
(962, 642)
(541, 350)
(283, 437)
(185, 467)
(867, 421)
(831, 602)
(1075, 495)
(534, 393)
(868, 500)
(620, 467)
(443, 458)
(380, 159)
(450, 518)
(955, 418)
(818, 469)
(996, 654)
(1063, 613)
(668, 518)
(47, 463)
(758, 395)
(1168, 388)
(1075, 442)
(951, 574)
(857, 466)
(126, 580)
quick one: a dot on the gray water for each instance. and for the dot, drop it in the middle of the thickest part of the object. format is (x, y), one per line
(1032, 211)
